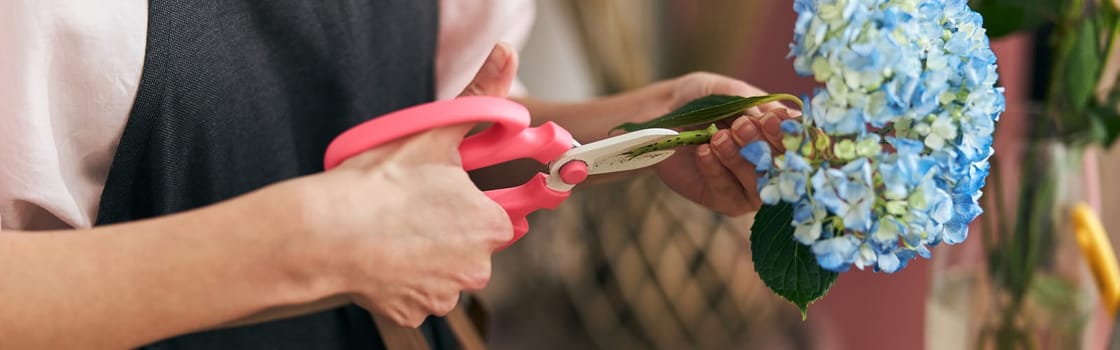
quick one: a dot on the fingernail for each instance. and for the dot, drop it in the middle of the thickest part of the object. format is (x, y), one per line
(739, 122)
(703, 151)
(739, 130)
(499, 56)
(719, 138)
(772, 126)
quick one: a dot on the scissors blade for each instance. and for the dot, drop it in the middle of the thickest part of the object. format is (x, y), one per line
(612, 154)
(626, 162)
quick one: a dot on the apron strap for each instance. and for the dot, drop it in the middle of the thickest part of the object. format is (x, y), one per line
(405, 338)
(400, 338)
(464, 329)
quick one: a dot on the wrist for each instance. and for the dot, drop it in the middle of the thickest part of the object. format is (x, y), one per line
(284, 233)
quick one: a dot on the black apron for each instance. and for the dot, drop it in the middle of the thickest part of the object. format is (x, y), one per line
(239, 94)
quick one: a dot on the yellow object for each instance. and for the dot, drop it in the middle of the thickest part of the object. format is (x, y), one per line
(1098, 253)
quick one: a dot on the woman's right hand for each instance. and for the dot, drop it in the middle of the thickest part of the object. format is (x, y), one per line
(407, 230)
(402, 229)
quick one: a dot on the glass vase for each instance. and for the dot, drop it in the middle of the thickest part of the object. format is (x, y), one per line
(1019, 281)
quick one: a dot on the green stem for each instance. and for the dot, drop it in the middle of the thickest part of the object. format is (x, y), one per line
(1058, 64)
(1041, 212)
(1018, 247)
(684, 138)
(1063, 38)
(989, 230)
(1073, 12)
(1109, 55)
(1000, 207)
(1112, 38)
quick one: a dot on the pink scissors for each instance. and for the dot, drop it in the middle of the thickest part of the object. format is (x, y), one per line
(509, 138)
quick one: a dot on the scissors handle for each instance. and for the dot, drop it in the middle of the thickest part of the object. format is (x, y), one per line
(509, 138)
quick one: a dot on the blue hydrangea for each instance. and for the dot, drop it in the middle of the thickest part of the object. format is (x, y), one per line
(892, 151)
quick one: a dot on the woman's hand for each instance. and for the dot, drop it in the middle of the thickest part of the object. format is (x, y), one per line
(405, 229)
(714, 174)
(410, 228)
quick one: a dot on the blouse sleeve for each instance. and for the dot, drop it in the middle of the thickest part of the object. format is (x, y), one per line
(70, 72)
(468, 31)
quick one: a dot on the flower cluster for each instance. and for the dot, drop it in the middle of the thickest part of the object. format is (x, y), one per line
(890, 155)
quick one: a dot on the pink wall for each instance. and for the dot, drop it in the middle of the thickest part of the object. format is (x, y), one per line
(866, 309)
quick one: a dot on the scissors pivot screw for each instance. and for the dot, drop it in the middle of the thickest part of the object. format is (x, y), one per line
(573, 172)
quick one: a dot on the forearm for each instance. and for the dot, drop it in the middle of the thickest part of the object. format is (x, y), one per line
(125, 285)
(592, 120)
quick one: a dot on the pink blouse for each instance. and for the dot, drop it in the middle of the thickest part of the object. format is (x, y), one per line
(70, 69)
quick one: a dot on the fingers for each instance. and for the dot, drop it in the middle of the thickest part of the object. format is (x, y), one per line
(496, 75)
(440, 145)
(417, 305)
(724, 191)
(443, 304)
(727, 151)
(498, 228)
(731, 177)
(769, 128)
(402, 317)
(436, 146)
(494, 78)
(478, 278)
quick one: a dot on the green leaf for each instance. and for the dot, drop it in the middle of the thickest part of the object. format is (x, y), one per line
(1111, 130)
(1105, 124)
(1104, 117)
(788, 267)
(707, 110)
(1108, 115)
(1083, 67)
(1004, 17)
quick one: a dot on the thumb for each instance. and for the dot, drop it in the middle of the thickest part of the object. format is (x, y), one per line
(440, 145)
(496, 74)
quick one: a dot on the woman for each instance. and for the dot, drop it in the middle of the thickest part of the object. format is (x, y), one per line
(161, 183)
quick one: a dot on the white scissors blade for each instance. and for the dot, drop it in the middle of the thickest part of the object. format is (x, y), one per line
(612, 154)
(625, 162)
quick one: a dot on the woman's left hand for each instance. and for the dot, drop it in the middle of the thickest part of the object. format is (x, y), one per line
(714, 174)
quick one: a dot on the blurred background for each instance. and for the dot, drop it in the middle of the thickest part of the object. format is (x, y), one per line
(629, 265)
